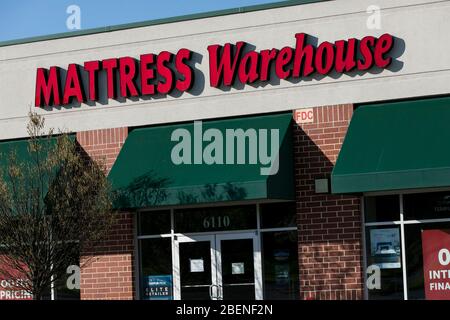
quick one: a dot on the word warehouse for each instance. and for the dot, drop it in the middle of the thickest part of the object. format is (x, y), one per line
(161, 74)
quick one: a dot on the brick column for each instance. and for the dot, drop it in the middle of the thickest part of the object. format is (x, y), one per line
(109, 272)
(329, 226)
(104, 144)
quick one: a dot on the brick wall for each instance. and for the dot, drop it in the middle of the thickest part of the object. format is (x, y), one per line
(104, 144)
(329, 226)
(107, 270)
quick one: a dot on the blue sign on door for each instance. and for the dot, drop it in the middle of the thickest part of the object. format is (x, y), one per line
(158, 287)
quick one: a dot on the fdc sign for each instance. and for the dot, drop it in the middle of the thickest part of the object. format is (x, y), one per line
(304, 116)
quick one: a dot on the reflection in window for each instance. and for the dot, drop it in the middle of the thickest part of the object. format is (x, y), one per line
(195, 270)
(215, 219)
(280, 265)
(383, 251)
(66, 287)
(427, 205)
(415, 258)
(156, 269)
(278, 215)
(382, 208)
(426, 228)
(154, 222)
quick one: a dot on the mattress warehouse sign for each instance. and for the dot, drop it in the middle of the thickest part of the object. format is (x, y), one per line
(166, 72)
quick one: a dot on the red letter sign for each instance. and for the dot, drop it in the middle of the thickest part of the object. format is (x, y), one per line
(73, 87)
(128, 73)
(147, 73)
(91, 68)
(110, 65)
(436, 264)
(225, 66)
(47, 88)
(162, 63)
(161, 74)
(183, 68)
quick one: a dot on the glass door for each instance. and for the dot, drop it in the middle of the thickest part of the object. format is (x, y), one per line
(218, 267)
(196, 274)
(238, 267)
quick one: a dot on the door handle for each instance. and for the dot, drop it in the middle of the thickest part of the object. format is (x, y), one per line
(220, 292)
(211, 294)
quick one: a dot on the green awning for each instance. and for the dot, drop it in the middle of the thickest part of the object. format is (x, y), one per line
(24, 158)
(403, 145)
(20, 148)
(144, 174)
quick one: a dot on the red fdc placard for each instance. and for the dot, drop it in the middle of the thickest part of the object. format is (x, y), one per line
(436, 264)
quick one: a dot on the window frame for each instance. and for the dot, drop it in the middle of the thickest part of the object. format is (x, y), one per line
(401, 222)
(172, 235)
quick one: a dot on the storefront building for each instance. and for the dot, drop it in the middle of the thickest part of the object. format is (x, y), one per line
(290, 151)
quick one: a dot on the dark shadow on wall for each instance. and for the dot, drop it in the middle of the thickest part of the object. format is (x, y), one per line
(144, 191)
(113, 254)
(212, 192)
(321, 221)
(151, 190)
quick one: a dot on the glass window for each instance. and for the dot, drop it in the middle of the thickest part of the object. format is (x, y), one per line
(154, 222)
(426, 243)
(415, 234)
(47, 294)
(195, 282)
(280, 265)
(384, 258)
(215, 219)
(427, 205)
(278, 215)
(61, 290)
(238, 273)
(156, 269)
(382, 208)
(65, 288)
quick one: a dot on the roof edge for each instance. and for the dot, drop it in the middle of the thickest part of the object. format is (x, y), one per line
(148, 23)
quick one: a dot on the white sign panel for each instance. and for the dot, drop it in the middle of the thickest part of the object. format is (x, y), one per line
(197, 265)
(302, 116)
(237, 268)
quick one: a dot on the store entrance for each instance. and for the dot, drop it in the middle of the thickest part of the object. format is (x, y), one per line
(218, 266)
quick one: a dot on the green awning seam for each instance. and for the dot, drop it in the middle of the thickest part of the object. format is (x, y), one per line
(394, 146)
(144, 175)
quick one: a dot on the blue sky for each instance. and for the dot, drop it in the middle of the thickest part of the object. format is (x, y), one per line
(28, 18)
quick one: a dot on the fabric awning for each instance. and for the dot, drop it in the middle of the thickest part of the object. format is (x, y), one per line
(26, 160)
(20, 149)
(395, 146)
(144, 174)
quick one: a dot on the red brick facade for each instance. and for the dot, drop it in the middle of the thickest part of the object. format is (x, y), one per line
(104, 144)
(329, 226)
(109, 271)
(109, 274)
